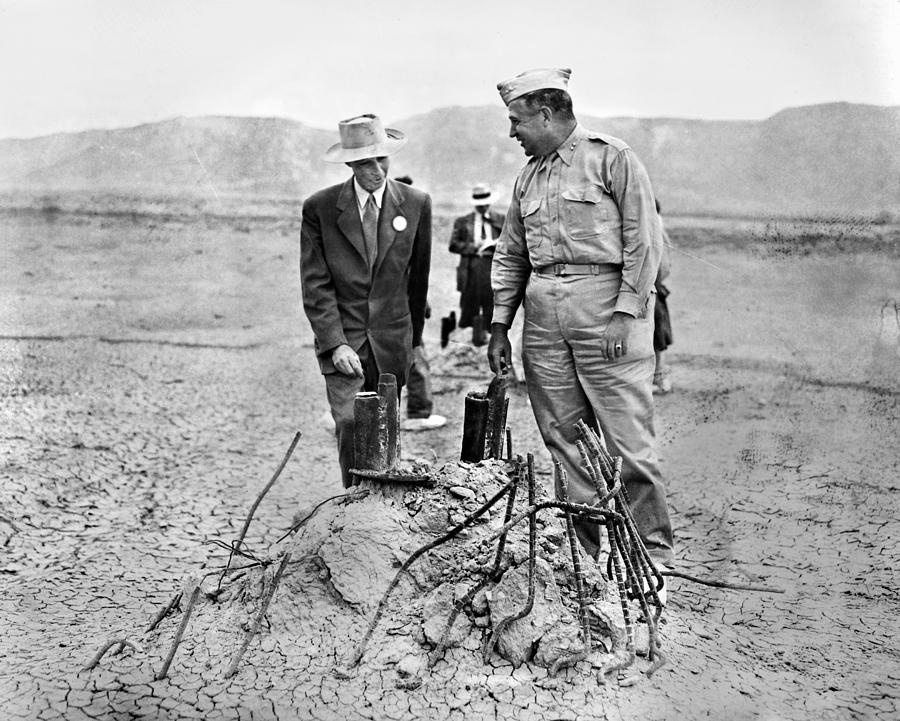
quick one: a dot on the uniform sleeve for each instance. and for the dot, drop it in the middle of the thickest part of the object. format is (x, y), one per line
(511, 265)
(420, 269)
(641, 232)
(665, 262)
(319, 300)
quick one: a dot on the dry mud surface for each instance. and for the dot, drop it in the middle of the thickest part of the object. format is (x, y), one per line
(153, 371)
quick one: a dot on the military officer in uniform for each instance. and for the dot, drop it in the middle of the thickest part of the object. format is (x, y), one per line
(580, 250)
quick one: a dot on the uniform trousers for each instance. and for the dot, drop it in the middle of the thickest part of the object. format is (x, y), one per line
(568, 380)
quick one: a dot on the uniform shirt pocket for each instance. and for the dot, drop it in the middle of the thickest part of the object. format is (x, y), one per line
(530, 207)
(531, 219)
(584, 212)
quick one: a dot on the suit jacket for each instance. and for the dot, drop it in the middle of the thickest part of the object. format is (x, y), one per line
(346, 301)
(462, 241)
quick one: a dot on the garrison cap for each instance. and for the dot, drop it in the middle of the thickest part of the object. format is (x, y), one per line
(530, 80)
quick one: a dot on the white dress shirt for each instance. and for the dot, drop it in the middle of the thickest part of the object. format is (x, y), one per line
(480, 221)
(362, 196)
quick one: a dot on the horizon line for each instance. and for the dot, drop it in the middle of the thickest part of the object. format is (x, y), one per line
(170, 118)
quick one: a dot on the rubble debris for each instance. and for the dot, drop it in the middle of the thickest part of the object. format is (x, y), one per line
(441, 566)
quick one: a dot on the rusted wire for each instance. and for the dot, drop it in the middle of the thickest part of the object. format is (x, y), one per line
(264, 606)
(571, 659)
(488, 647)
(722, 584)
(193, 585)
(626, 547)
(354, 495)
(630, 565)
(596, 446)
(164, 611)
(654, 652)
(623, 601)
(249, 555)
(492, 575)
(580, 510)
(236, 545)
(122, 643)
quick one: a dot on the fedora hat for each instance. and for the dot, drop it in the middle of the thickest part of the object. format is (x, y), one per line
(364, 137)
(481, 195)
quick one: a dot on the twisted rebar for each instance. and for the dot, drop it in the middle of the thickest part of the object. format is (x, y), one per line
(532, 562)
(493, 575)
(572, 658)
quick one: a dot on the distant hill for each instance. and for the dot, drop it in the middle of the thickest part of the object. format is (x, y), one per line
(834, 159)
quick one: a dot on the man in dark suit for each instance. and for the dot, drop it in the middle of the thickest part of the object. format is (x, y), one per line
(365, 256)
(474, 237)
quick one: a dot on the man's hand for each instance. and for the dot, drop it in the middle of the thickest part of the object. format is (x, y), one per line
(499, 348)
(346, 361)
(614, 341)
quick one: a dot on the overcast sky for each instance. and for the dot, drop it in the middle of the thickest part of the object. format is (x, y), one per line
(78, 64)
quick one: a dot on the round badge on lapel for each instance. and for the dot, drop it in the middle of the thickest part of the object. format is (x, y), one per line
(399, 223)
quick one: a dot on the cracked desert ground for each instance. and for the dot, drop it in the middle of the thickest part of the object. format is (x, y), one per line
(153, 369)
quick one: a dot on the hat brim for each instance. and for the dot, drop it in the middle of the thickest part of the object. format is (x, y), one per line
(339, 154)
(486, 200)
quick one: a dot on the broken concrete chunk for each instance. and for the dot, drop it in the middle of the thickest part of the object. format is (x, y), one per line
(480, 602)
(518, 641)
(431, 518)
(411, 665)
(362, 558)
(438, 607)
(560, 641)
(605, 618)
(462, 492)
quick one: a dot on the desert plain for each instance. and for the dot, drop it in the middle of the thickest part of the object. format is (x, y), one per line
(155, 364)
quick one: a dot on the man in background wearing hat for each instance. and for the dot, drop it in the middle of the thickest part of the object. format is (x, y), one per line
(474, 237)
(365, 256)
(580, 247)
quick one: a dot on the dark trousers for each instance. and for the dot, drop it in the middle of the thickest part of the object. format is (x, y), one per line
(662, 325)
(477, 298)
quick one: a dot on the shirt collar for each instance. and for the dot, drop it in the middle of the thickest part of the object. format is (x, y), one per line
(362, 195)
(567, 149)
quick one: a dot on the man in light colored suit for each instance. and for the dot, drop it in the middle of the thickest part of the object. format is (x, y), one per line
(365, 256)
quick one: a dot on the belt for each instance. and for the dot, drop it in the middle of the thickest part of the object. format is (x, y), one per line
(578, 269)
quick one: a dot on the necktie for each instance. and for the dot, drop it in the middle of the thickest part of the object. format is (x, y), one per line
(483, 229)
(370, 229)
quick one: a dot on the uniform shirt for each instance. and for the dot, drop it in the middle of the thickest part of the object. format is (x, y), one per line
(589, 201)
